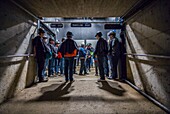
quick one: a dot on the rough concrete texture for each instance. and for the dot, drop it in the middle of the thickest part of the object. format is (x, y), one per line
(15, 35)
(78, 8)
(14, 71)
(149, 33)
(85, 95)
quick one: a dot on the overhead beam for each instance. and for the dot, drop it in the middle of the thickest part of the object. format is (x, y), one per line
(136, 8)
(82, 22)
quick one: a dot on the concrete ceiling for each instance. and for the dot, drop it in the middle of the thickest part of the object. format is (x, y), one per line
(77, 8)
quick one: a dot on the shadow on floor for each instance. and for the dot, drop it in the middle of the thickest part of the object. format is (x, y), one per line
(59, 92)
(111, 87)
(55, 94)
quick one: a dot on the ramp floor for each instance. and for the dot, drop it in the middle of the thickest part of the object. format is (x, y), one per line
(84, 96)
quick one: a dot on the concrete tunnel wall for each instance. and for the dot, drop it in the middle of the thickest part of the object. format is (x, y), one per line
(149, 33)
(16, 32)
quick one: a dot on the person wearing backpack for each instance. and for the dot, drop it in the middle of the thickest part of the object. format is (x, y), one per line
(48, 54)
(114, 54)
(39, 53)
(51, 66)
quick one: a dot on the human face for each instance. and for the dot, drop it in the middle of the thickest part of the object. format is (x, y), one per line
(111, 36)
(97, 37)
(57, 45)
(41, 35)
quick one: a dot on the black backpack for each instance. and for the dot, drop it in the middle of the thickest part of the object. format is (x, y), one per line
(48, 52)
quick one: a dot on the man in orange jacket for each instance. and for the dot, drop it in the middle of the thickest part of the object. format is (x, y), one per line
(68, 49)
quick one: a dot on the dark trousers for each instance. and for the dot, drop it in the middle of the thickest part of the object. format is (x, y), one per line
(101, 62)
(88, 61)
(68, 68)
(51, 66)
(40, 63)
(83, 66)
(96, 67)
(114, 65)
(57, 65)
(122, 67)
(78, 58)
(74, 65)
(106, 66)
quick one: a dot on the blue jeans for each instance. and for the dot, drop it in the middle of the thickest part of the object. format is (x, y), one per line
(88, 61)
(114, 65)
(106, 66)
(102, 65)
(83, 66)
(91, 62)
(57, 65)
(45, 66)
(51, 66)
(68, 68)
(62, 65)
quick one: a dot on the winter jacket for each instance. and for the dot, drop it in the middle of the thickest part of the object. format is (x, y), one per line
(101, 48)
(68, 48)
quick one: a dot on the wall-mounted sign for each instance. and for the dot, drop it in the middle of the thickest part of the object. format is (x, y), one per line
(112, 26)
(80, 24)
(56, 25)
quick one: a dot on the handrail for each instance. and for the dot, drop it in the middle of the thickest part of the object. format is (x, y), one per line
(148, 97)
(17, 55)
(149, 55)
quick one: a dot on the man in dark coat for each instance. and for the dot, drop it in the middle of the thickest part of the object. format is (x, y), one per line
(39, 52)
(68, 49)
(101, 52)
(114, 54)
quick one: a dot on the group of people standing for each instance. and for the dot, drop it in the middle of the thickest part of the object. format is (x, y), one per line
(85, 55)
(61, 57)
(109, 52)
(58, 59)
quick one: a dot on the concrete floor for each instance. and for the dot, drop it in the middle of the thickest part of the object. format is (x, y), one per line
(85, 95)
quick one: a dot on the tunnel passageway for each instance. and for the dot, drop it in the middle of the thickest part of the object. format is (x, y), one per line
(85, 95)
(142, 29)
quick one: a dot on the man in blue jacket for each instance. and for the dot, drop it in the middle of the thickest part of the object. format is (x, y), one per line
(82, 56)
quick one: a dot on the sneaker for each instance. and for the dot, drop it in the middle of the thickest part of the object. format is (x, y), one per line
(110, 78)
